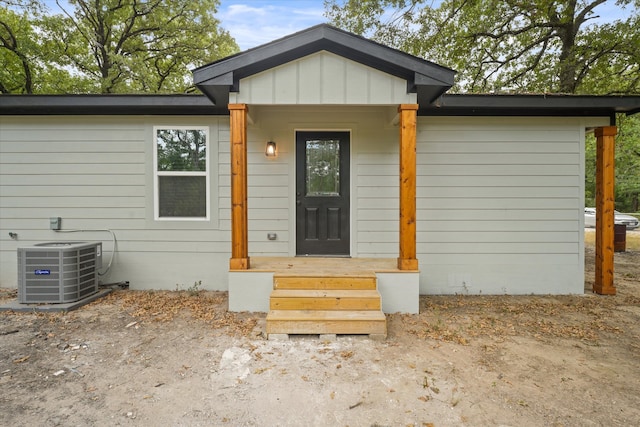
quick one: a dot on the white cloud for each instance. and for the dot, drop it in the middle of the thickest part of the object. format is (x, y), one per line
(240, 9)
(256, 22)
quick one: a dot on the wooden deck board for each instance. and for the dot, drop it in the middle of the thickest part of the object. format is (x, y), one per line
(297, 281)
(325, 321)
(324, 266)
(303, 299)
(321, 293)
(314, 315)
(325, 295)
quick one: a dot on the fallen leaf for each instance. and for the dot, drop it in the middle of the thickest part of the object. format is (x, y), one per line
(22, 359)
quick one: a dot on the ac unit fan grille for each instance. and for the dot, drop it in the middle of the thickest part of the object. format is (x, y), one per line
(66, 274)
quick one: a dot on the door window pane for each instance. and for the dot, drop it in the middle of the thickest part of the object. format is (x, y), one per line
(322, 167)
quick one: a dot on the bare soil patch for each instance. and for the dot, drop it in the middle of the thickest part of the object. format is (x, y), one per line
(180, 359)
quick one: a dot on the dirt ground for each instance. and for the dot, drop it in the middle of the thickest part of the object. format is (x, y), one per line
(179, 359)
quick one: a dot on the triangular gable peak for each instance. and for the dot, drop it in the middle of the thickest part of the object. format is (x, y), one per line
(323, 78)
(420, 77)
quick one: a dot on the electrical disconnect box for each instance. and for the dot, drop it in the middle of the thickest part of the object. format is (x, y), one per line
(55, 223)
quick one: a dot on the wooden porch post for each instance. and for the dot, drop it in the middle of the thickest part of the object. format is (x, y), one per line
(239, 211)
(407, 259)
(605, 202)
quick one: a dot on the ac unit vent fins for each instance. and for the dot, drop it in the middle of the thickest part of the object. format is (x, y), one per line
(58, 272)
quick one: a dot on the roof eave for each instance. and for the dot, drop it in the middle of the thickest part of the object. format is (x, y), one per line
(531, 105)
(108, 105)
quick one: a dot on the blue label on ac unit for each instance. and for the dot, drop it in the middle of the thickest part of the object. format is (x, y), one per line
(42, 272)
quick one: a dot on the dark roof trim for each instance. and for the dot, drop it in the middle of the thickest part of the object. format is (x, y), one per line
(195, 105)
(428, 79)
(110, 105)
(531, 105)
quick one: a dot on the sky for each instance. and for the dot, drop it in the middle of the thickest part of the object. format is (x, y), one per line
(256, 22)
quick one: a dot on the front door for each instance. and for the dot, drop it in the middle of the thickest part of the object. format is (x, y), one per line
(322, 193)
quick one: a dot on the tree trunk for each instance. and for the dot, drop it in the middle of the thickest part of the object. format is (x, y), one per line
(567, 29)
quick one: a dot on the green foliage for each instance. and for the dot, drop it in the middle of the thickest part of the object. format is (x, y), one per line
(508, 45)
(110, 46)
(182, 150)
(590, 171)
(627, 158)
(18, 42)
(513, 46)
(193, 290)
(628, 164)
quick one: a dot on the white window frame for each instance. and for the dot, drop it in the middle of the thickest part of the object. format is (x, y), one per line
(157, 174)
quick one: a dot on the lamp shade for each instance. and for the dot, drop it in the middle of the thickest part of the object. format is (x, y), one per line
(270, 149)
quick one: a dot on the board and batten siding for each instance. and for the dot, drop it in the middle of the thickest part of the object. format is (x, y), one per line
(97, 173)
(500, 204)
(323, 78)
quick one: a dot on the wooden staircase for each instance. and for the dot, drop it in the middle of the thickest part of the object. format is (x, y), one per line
(336, 304)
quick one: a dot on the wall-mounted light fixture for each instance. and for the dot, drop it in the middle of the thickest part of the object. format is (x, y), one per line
(270, 150)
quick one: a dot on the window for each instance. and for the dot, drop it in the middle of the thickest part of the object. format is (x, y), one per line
(181, 166)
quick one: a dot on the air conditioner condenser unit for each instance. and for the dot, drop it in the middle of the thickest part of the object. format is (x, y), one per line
(58, 272)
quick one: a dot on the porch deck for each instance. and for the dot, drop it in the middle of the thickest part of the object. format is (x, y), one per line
(319, 266)
(250, 290)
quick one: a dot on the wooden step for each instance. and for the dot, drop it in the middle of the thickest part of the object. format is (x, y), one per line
(324, 299)
(366, 281)
(326, 322)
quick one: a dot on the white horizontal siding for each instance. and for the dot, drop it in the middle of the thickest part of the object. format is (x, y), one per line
(500, 170)
(29, 169)
(271, 182)
(499, 202)
(268, 194)
(96, 173)
(71, 191)
(70, 179)
(377, 182)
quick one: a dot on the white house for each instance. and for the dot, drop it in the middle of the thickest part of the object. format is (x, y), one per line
(376, 171)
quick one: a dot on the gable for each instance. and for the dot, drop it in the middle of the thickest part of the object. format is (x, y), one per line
(323, 78)
(424, 78)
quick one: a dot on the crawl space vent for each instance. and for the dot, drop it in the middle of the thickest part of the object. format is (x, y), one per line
(58, 272)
